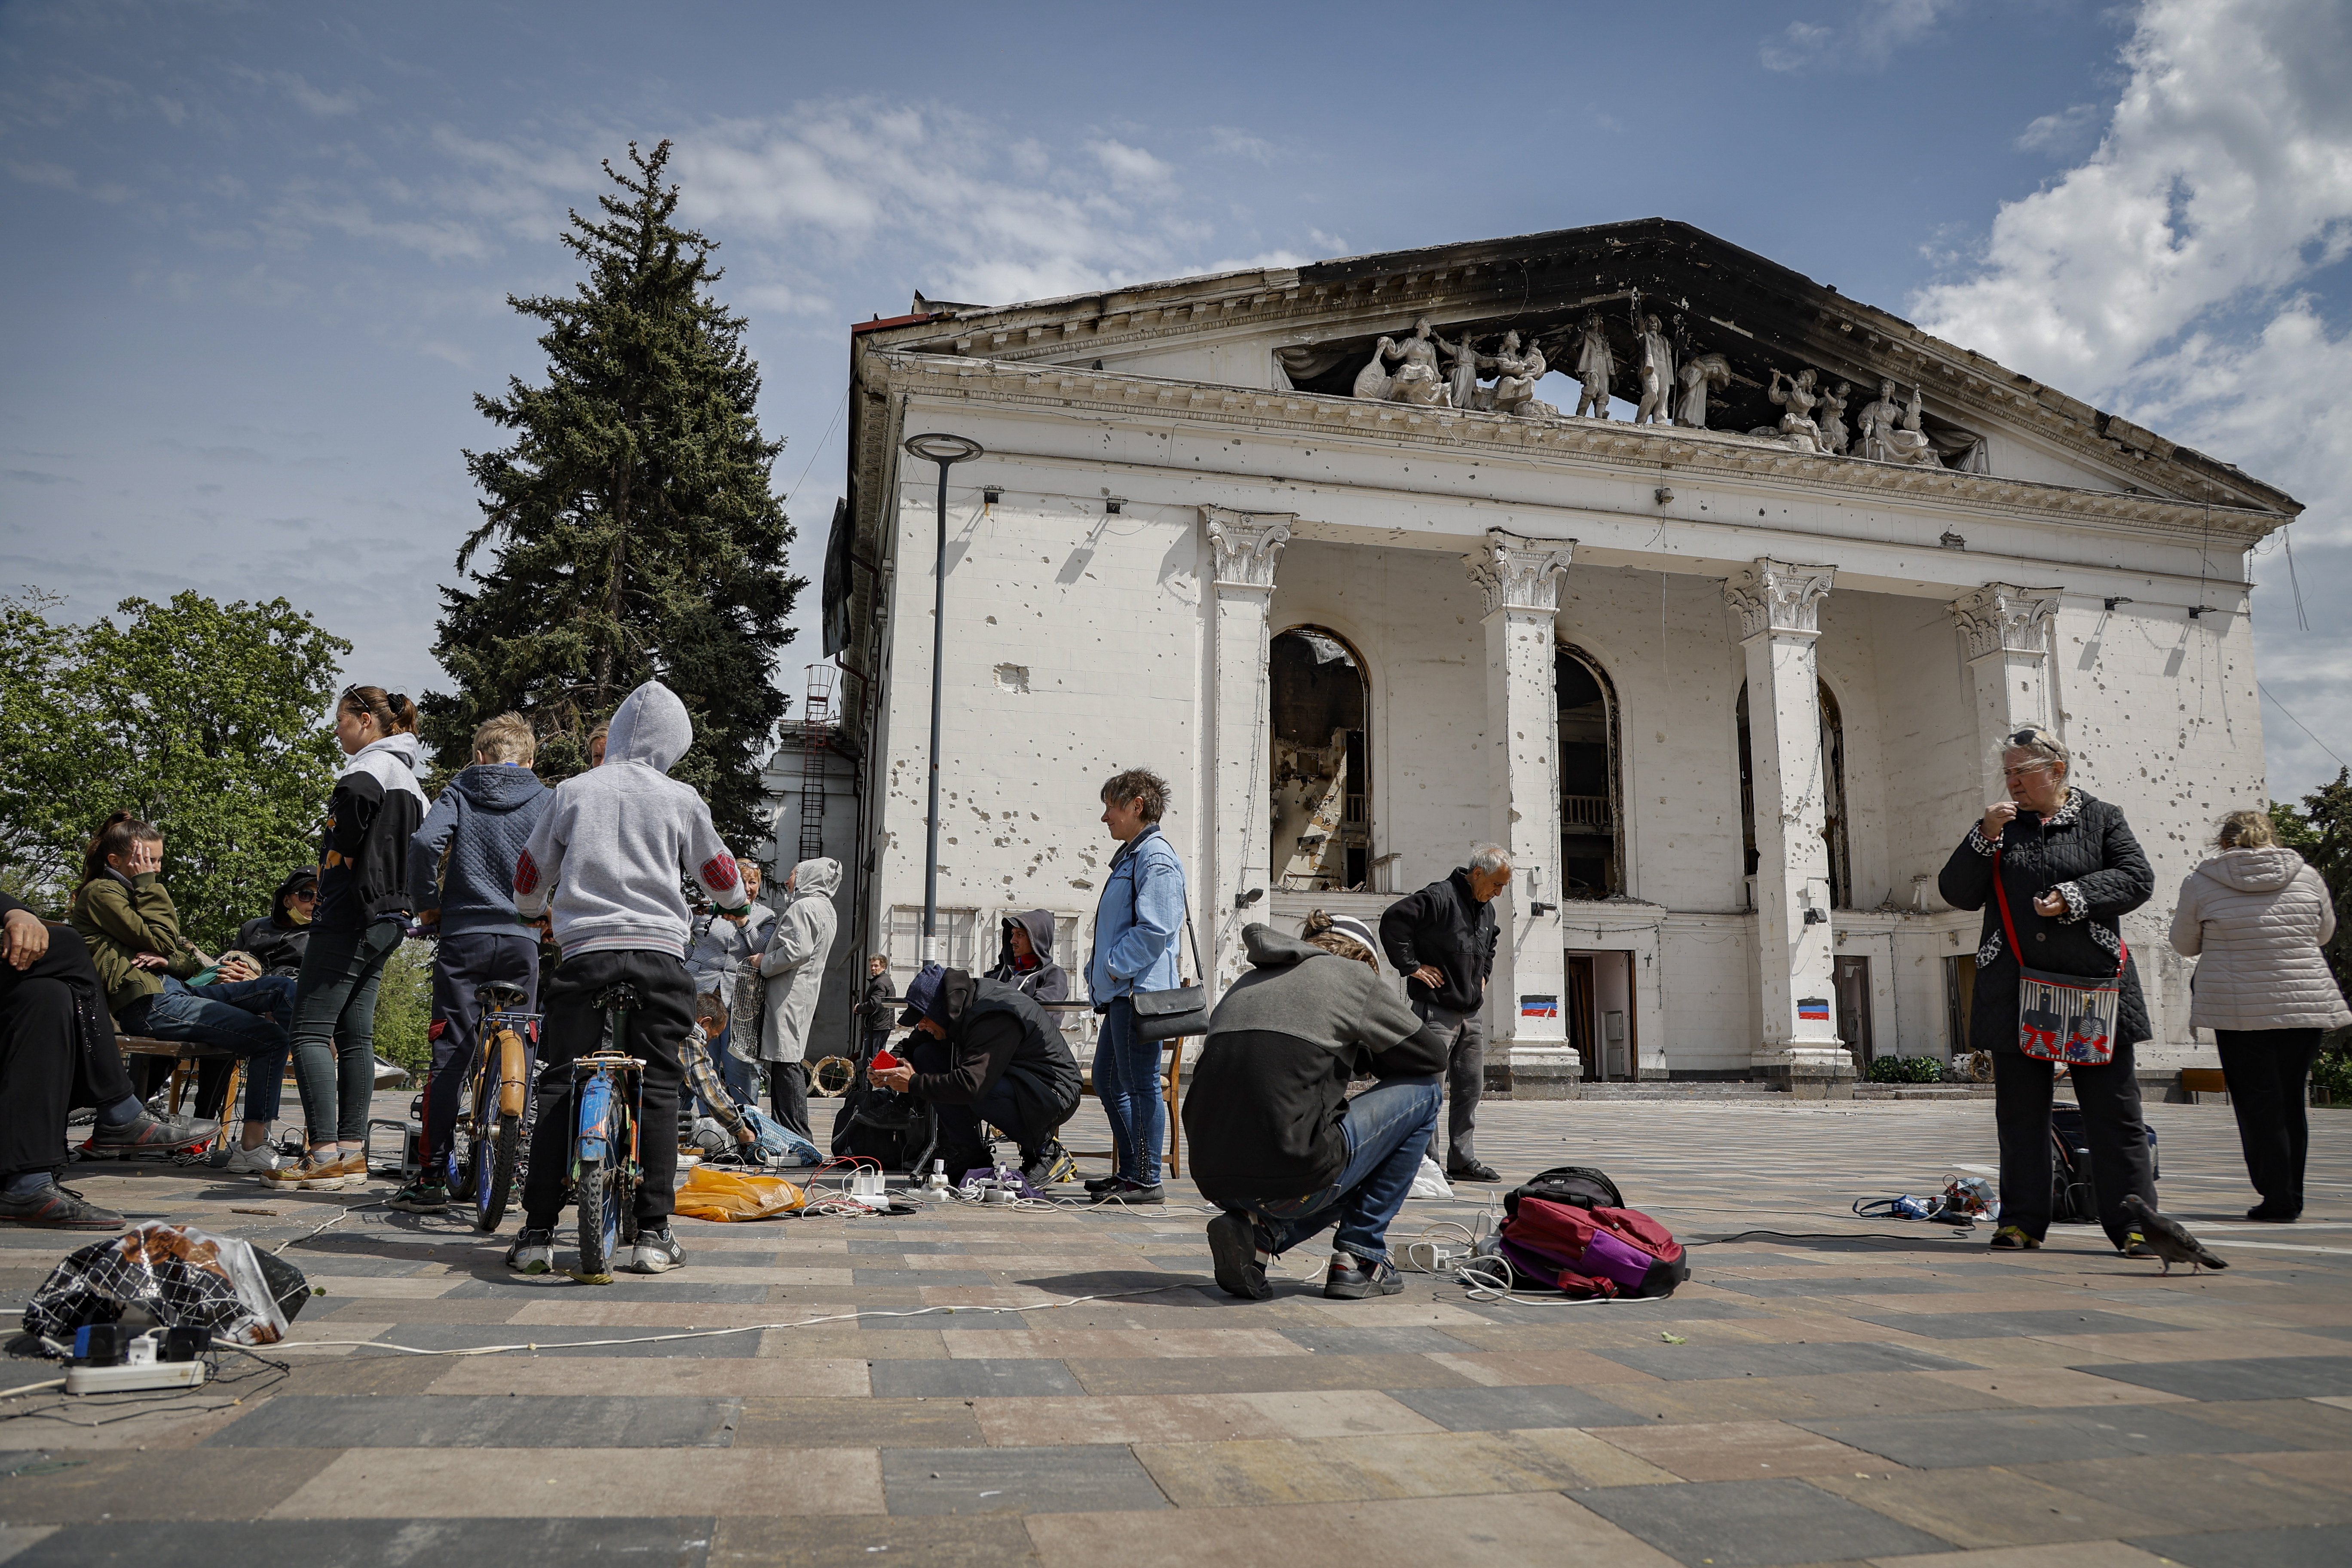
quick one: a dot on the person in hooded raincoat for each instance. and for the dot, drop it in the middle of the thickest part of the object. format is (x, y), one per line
(1026, 958)
(793, 967)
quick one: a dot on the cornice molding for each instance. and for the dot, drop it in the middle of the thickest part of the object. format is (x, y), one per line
(1645, 449)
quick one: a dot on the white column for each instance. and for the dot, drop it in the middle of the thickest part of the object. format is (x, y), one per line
(1778, 606)
(1245, 546)
(1522, 580)
(2008, 634)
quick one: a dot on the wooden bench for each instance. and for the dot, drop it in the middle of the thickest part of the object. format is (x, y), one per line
(2194, 1082)
(185, 1055)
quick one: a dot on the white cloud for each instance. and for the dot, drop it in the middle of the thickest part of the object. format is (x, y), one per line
(1866, 41)
(2175, 276)
(2060, 134)
(1130, 166)
(1235, 143)
(41, 172)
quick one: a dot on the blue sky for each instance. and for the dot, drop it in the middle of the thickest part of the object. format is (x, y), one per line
(259, 253)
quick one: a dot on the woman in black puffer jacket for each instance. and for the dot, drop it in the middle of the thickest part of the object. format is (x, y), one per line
(2072, 869)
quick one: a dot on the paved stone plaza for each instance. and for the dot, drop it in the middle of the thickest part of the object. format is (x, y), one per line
(1857, 1392)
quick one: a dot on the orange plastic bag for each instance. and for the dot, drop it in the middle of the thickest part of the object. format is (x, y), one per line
(709, 1193)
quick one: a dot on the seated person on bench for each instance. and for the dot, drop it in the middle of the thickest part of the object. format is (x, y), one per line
(985, 1050)
(1276, 1142)
(50, 999)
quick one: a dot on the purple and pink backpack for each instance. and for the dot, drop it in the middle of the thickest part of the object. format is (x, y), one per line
(1602, 1250)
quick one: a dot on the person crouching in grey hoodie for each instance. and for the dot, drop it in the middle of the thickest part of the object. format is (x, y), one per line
(793, 967)
(606, 863)
(1276, 1142)
(461, 877)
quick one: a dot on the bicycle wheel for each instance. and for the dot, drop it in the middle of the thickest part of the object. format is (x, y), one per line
(600, 1203)
(469, 1141)
(495, 1175)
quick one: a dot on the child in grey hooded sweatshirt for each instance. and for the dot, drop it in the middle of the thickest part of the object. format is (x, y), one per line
(606, 863)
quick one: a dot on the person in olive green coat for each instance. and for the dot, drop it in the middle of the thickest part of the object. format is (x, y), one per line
(126, 915)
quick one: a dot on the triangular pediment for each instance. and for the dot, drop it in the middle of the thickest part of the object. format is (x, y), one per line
(1316, 328)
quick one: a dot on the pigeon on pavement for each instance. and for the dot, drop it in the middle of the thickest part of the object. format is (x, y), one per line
(2168, 1238)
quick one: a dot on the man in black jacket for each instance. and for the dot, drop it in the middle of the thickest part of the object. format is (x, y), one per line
(1441, 940)
(57, 1049)
(986, 1050)
(1276, 1142)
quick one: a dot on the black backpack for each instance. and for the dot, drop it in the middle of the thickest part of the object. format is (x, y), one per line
(895, 1130)
(2072, 1200)
(1579, 1185)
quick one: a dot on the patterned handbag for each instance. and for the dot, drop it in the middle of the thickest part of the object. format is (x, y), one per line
(2067, 1018)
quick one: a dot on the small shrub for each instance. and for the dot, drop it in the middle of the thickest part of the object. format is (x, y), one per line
(2331, 1073)
(403, 1010)
(1906, 1069)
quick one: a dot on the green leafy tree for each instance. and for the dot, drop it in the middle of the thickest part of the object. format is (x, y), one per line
(206, 719)
(631, 527)
(2320, 829)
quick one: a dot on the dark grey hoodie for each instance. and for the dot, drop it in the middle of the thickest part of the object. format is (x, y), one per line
(1048, 982)
(483, 820)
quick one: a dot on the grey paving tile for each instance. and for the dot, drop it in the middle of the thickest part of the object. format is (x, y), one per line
(806, 1541)
(867, 1244)
(564, 1338)
(1752, 1524)
(2002, 1325)
(1685, 1363)
(1342, 1340)
(1963, 1438)
(2256, 1377)
(1507, 1409)
(1841, 1285)
(1666, 1309)
(2307, 1546)
(908, 1279)
(683, 1291)
(970, 1377)
(483, 1421)
(1080, 1479)
(962, 1322)
(373, 1542)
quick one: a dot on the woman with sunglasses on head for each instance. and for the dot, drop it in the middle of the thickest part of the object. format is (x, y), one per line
(2070, 868)
(363, 907)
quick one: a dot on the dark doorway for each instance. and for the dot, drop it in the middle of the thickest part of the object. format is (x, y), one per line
(1853, 1010)
(1960, 997)
(1321, 761)
(1591, 865)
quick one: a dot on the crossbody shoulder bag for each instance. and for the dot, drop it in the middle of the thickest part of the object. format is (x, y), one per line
(2067, 1018)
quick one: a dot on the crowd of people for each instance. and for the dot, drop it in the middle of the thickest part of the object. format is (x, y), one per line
(1319, 1086)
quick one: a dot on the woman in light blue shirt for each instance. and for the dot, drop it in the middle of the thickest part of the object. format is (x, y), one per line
(1137, 925)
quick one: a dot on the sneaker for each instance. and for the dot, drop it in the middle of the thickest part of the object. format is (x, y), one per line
(318, 1172)
(2275, 1212)
(1240, 1261)
(1052, 1164)
(657, 1252)
(1474, 1171)
(1352, 1278)
(350, 1170)
(2012, 1238)
(148, 1136)
(533, 1251)
(54, 1207)
(1124, 1191)
(258, 1161)
(1099, 1184)
(426, 1194)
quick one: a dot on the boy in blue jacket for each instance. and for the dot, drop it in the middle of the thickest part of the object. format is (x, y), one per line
(461, 874)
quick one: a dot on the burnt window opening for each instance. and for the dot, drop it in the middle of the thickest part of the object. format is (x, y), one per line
(1321, 795)
(1591, 808)
(1833, 809)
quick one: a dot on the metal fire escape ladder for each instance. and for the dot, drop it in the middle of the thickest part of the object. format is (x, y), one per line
(816, 731)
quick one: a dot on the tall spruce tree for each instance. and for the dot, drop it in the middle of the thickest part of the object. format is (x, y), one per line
(632, 528)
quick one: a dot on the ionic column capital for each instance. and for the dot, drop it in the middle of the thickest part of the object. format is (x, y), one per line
(1518, 573)
(2001, 617)
(1247, 544)
(1778, 598)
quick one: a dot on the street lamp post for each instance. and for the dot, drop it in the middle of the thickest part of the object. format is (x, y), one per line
(945, 451)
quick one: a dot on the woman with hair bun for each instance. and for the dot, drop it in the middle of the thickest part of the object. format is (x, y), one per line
(2255, 917)
(363, 905)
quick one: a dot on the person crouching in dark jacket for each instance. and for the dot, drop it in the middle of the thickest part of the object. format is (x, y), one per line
(985, 1050)
(277, 938)
(1441, 940)
(1276, 1144)
(1027, 959)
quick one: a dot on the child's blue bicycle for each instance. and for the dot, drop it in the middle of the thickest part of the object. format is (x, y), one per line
(605, 1171)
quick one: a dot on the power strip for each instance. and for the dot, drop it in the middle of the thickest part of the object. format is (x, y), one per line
(130, 1379)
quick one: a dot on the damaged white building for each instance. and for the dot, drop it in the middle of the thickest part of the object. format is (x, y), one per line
(1725, 662)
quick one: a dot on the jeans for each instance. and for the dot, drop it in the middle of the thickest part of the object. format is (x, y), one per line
(574, 1026)
(1388, 1129)
(2265, 1069)
(463, 963)
(2109, 1096)
(1465, 1079)
(334, 1028)
(1126, 1081)
(226, 1013)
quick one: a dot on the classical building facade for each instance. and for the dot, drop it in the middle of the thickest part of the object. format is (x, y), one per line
(1725, 662)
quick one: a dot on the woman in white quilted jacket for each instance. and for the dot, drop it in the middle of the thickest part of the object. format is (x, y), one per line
(2256, 917)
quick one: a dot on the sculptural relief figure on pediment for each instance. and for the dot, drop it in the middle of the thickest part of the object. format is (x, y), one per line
(1415, 380)
(1653, 361)
(1517, 371)
(1891, 433)
(1462, 389)
(1699, 375)
(1799, 398)
(1594, 365)
(1829, 418)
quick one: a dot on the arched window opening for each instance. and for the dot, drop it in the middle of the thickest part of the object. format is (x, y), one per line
(1322, 762)
(1833, 813)
(1590, 804)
